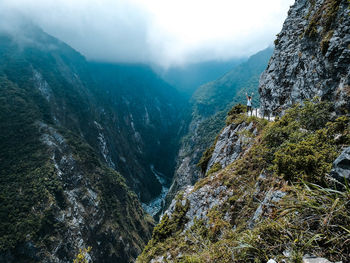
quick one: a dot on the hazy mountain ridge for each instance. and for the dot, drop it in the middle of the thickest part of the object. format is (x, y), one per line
(189, 77)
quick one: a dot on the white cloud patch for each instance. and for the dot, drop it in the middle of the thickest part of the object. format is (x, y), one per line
(165, 32)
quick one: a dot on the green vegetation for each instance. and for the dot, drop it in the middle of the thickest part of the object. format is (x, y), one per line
(294, 154)
(325, 17)
(81, 257)
(237, 109)
(302, 144)
(216, 167)
(325, 42)
(27, 178)
(168, 228)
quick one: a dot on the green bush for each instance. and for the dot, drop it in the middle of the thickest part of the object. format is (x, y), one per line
(237, 109)
(313, 115)
(169, 226)
(215, 168)
(309, 159)
(203, 162)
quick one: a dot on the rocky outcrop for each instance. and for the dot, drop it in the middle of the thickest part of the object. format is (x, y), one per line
(233, 141)
(311, 57)
(231, 144)
(253, 210)
(341, 167)
(271, 198)
(200, 201)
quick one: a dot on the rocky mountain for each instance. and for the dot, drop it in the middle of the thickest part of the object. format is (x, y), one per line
(275, 191)
(67, 128)
(210, 104)
(311, 57)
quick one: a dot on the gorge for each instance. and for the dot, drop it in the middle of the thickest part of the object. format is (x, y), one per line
(113, 157)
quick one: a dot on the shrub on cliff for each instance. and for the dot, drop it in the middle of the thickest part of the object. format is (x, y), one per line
(309, 159)
(305, 141)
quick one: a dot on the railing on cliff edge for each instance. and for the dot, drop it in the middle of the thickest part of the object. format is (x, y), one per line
(261, 114)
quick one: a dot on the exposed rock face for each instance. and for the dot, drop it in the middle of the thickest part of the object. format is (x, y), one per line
(84, 215)
(200, 202)
(311, 57)
(268, 202)
(341, 166)
(231, 143)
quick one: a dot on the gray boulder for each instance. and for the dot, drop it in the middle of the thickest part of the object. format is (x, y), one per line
(313, 259)
(341, 166)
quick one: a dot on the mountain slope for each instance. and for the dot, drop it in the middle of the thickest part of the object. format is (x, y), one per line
(56, 195)
(274, 200)
(147, 114)
(153, 107)
(63, 138)
(210, 103)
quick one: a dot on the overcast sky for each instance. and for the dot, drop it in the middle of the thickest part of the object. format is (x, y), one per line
(165, 32)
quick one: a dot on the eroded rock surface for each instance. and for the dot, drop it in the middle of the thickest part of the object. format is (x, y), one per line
(231, 143)
(311, 57)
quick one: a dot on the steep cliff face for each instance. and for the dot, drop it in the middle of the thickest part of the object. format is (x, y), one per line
(210, 104)
(56, 194)
(141, 116)
(311, 57)
(232, 142)
(63, 137)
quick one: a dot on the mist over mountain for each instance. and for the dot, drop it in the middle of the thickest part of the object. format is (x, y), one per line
(150, 32)
(189, 77)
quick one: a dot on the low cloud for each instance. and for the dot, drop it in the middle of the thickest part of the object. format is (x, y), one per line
(163, 32)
